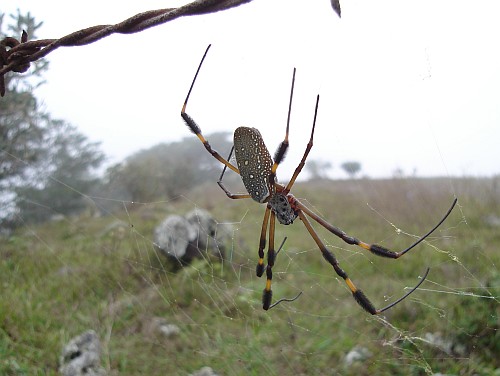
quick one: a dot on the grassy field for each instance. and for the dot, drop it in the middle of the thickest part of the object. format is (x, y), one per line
(62, 278)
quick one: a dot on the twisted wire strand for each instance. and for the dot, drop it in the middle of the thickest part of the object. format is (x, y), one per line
(16, 55)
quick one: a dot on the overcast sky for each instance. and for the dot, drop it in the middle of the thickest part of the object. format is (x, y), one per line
(410, 85)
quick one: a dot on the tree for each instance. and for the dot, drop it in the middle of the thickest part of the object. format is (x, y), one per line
(46, 165)
(61, 179)
(166, 170)
(21, 123)
(351, 168)
(317, 169)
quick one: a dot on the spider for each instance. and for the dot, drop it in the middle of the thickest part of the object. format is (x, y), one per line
(258, 172)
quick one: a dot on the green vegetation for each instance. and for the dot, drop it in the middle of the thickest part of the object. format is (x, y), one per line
(59, 279)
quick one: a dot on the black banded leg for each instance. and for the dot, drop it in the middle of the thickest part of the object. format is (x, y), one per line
(267, 295)
(280, 153)
(283, 299)
(233, 196)
(262, 243)
(306, 153)
(329, 256)
(373, 248)
(196, 129)
(358, 295)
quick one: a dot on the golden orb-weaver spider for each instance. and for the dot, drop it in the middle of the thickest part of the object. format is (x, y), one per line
(258, 172)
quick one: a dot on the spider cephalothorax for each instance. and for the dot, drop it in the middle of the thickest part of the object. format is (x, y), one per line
(258, 172)
(281, 205)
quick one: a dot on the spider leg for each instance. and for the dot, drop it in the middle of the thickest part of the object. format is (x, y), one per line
(262, 243)
(233, 196)
(267, 294)
(283, 299)
(196, 129)
(374, 248)
(306, 153)
(280, 153)
(358, 295)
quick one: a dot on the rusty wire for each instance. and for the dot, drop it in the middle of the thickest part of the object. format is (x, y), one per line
(16, 55)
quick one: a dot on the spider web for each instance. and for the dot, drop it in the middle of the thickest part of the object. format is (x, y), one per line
(105, 273)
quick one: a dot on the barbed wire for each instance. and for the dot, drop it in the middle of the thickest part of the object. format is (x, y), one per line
(16, 55)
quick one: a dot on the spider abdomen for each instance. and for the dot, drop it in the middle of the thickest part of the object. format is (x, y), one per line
(254, 162)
